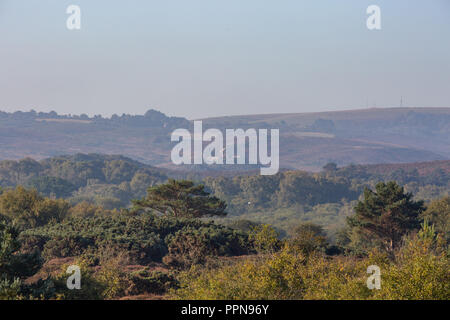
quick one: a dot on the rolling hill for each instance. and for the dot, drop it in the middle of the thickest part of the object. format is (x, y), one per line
(307, 140)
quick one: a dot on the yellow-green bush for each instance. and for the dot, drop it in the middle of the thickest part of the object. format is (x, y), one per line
(108, 282)
(420, 271)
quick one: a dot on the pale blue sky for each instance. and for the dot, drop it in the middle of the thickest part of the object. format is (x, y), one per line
(201, 58)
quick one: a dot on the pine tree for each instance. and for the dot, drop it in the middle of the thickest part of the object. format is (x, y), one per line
(181, 199)
(387, 214)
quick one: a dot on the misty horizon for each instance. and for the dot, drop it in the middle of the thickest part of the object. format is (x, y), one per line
(40, 112)
(202, 59)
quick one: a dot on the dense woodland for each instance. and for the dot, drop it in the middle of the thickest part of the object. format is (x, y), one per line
(140, 232)
(325, 198)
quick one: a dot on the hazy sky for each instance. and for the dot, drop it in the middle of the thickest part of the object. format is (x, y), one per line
(199, 58)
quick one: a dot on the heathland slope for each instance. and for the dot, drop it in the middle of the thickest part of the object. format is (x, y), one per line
(307, 140)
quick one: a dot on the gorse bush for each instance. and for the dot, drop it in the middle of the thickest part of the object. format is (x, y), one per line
(156, 282)
(193, 246)
(16, 266)
(145, 237)
(92, 288)
(420, 270)
(438, 213)
(10, 290)
(287, 274)
(265, 239)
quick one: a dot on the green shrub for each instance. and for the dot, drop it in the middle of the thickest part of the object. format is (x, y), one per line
(193, 246)
(156, 282)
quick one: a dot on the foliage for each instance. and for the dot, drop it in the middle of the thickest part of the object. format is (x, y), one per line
(157, 282)
(419, 270)
(10, 290)
(112, 182)
(113, 280)
(145, 237)
(330, 167)
(284, 190)
(265, 239)
(438, 213)
(102, 179)
(174, 250)
(51, 186)
(86, 209)
(26, 208)
(387, 214)
(181, 199)
(307, 238)
(16, 266)
(91, 287)
(191, 246)
(285, 275)
(242, 225)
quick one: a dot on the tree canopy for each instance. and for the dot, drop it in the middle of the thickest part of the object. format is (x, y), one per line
(387, 213)
(181, 199)
(26, 208)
